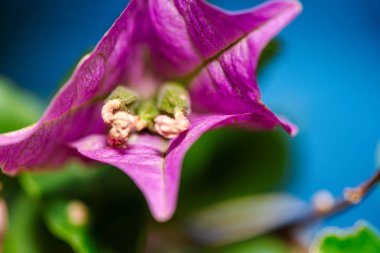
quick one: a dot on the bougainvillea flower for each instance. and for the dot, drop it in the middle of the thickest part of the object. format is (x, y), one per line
(214, 54)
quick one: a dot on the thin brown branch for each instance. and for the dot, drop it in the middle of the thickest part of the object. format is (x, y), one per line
(350, 198)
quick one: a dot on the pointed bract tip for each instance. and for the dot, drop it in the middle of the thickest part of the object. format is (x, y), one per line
(297, 4)
(294, 130)
(162, 214)
(288, 126)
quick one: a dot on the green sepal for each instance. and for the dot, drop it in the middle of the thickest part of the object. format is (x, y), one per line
(127, 97)
(173, 97)
(147, 111)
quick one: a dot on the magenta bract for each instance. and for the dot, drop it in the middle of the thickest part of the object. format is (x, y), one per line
(214, 52)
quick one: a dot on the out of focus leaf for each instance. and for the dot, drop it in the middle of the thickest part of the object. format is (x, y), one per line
(119, 221)
(360, 239)
(244, 218)
(268, 244)
(58, 221)
(20, 235)
(9, 186)
(169, 238)
(269, 53)
(117, 208)
(47, 183)
(25, 231)
(17, 108)
(229, 163)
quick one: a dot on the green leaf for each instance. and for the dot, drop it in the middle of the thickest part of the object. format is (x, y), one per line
(63, 181)
(362, 238)
(267, 244)
(168, 239)
(26, 232)
(17, 108)
(20, 236)
(109, 195)
(9, 186)
(75, 233)
(229, 163)
(269, 54)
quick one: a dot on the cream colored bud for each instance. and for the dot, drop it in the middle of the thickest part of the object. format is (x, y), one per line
(77, 213)
(171, 127)
(323, 201)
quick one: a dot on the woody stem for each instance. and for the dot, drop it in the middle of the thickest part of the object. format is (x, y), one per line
(345, 202)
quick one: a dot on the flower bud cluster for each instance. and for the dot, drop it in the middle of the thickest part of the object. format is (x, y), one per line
(121, 107)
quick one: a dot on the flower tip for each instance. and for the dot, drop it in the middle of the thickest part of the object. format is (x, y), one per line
(288, 126)
(294, 130)
(12, 172)
(162, 208)
(293, 6)
(162, 215)
(298, 6)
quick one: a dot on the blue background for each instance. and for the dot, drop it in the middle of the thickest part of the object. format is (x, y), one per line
(326, 79)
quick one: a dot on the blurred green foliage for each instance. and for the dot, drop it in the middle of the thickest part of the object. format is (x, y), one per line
(22, 225)
(231, 162)
(268, 55)
(243, 218)
(360, 239)
(118, 213)
(17, 109)
(26, 231)
(57, 215)
(268, 244)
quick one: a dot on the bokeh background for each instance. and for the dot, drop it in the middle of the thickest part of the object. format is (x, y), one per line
(325, 78)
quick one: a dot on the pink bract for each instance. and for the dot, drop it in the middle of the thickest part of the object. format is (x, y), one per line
(214, 52)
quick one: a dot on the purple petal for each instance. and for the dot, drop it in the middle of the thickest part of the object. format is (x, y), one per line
(75, 110)
(143, 161)
(228, 83)
(213, 30)
(155, 167)
(183, 36)
(43, 145)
